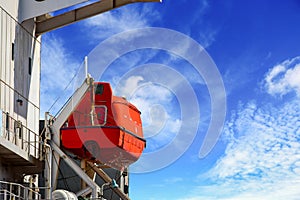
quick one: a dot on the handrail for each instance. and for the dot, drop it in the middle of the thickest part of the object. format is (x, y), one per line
(17, 190)
(23, 137)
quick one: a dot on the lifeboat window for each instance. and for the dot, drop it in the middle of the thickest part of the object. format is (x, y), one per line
(101, 113)
(99, 89)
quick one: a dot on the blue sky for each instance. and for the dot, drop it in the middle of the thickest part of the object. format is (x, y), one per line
(254, 45)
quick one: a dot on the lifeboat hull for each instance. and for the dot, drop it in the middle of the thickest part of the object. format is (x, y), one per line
(110, 145)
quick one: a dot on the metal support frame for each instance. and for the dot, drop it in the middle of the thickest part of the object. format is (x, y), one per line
(107, 179)
(51, 23)
(61, 119)
(84, 191)
(54, 153)
(53, 126)
(68, 109)
(95, 188)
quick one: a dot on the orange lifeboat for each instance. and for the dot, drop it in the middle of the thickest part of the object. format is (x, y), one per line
(104, 129)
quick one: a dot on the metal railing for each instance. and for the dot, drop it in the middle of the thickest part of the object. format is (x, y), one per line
(15, 191)
(13, 131)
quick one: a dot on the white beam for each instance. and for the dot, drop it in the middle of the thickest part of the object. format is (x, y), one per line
(60, 120)
(68, 109)
(31, 9)
(84, 192)
(82, 13)
(77, 170)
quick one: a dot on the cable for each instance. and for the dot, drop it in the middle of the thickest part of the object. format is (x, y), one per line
(58, 97)
(63, 178)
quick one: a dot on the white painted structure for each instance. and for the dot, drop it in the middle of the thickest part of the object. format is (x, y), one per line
(19, 94)
(22, 148)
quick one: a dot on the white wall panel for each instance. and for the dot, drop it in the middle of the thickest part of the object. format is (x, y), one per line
(11, 6)
(16, 84)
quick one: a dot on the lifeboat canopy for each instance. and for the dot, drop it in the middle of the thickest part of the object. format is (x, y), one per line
(104, 128)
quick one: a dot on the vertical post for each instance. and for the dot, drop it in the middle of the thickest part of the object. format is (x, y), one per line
(89, 172)
(27, 191)
(5, 198)
(48, 157)
(86, 66)
(126, 181)
(7, 125)
(83, 167)
(19, 191)
(36, 150)
(22, 137)
(10, 189)
(48, 172)
(28, 141)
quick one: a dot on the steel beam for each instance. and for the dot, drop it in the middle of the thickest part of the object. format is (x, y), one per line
(84, 192)
(81, 13)
(95, 188)
(59, 122)
(107, 179)
(68, 109)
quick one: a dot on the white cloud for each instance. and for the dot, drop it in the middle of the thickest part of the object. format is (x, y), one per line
(284, 78)
(153, 101)
(160, 124)
(129, 86)
(58, 68)
(207, 37)
(122, 19)
(173, 180)
(155, 121)
(262, 158)
(175, 125)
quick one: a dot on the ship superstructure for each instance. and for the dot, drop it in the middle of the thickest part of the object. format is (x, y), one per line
(32, 162)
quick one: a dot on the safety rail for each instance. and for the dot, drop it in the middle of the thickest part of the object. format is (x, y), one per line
(15, 191)
(14, 132)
